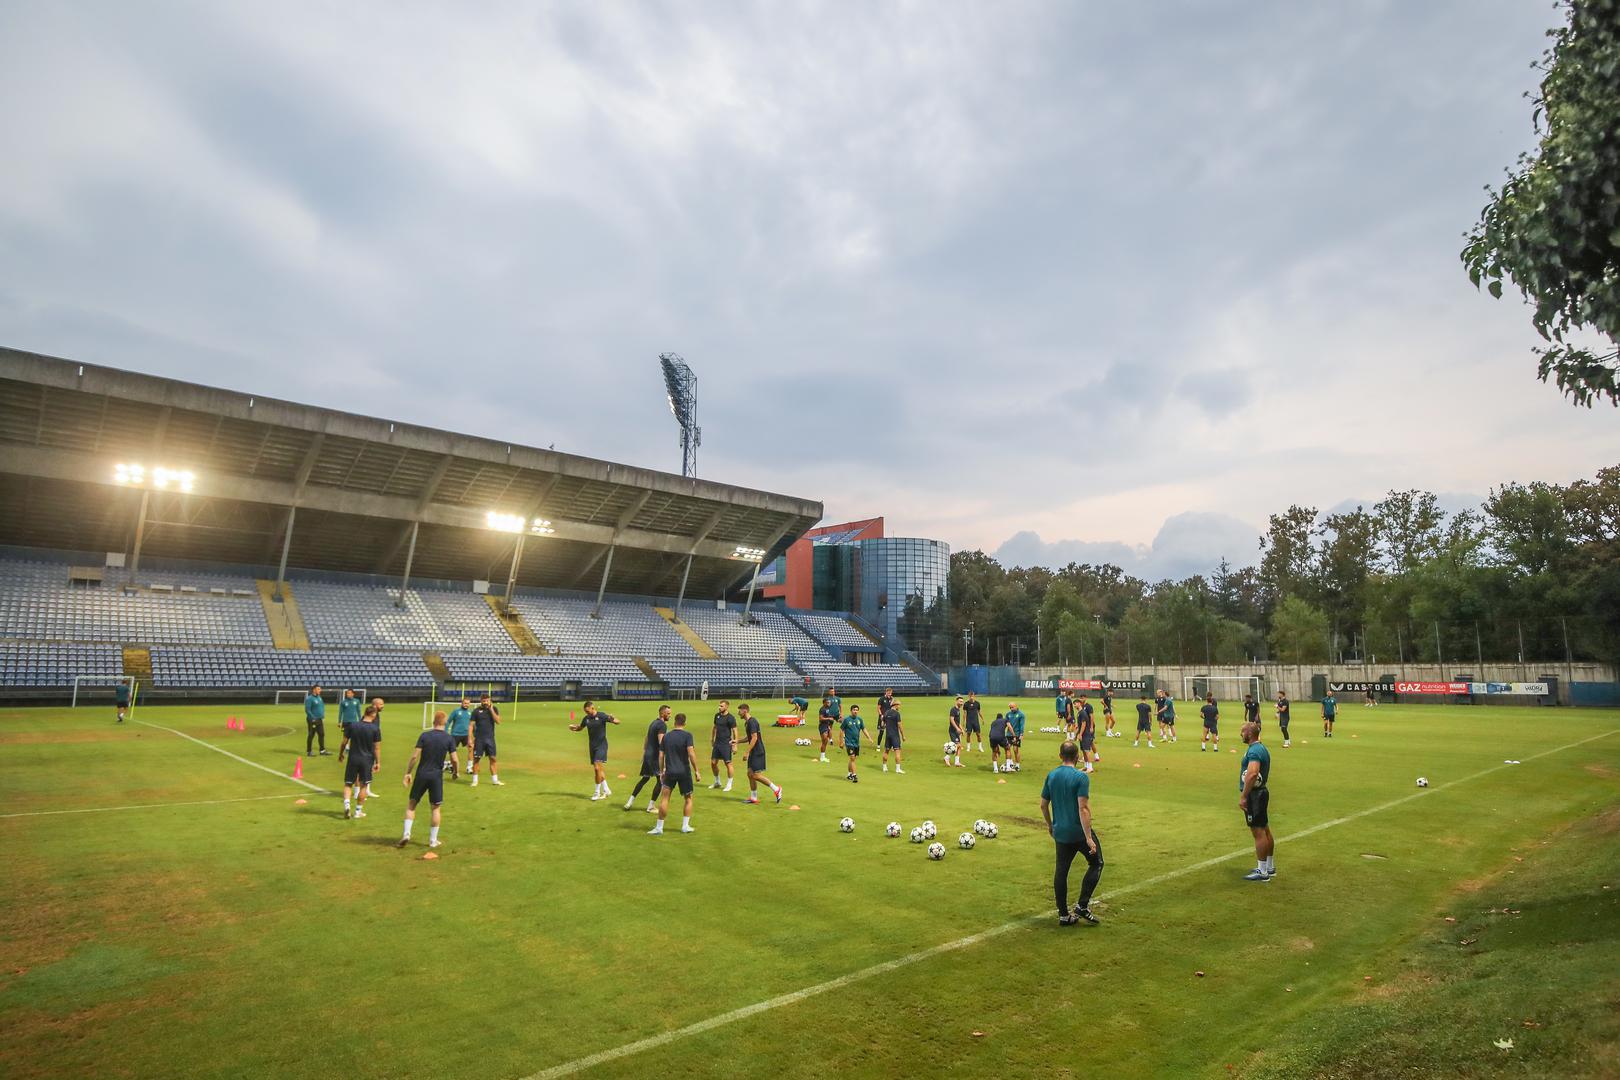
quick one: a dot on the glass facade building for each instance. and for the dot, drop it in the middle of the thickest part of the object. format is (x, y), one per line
(903, 588)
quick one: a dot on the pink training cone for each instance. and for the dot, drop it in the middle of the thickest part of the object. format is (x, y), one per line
(298, 769)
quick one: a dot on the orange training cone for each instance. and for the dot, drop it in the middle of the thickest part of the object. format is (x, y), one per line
(298, 769)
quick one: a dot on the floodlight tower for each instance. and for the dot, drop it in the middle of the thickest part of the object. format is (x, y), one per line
(682, 387)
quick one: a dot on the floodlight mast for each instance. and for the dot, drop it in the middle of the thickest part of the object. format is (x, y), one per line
(681, 385)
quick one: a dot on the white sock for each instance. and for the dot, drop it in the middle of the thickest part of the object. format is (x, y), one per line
(345, 802)
(1271, 864)
(494, 776)
(727, 787)
(433, 834)
(686, 822)
(408, 823)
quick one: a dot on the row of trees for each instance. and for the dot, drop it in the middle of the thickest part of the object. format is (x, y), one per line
(1533, 575)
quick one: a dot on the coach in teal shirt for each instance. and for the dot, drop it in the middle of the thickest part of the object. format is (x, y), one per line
(315, 720)
(1066, 806)
(348, 710)
(1015, 717)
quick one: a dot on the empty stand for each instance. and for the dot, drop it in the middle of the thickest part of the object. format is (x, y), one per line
(54, 664)
(37, 602)
(364, 616)
(227, 669)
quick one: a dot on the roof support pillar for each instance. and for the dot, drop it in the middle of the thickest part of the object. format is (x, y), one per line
(601, 590)
(511, 577)
(410, 557)
(140, 532)
(749, 604)
(684, 575)
(286, 546)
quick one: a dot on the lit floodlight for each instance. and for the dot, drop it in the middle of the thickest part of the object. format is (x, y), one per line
(504, 522)
(162, 477)
(541, 527)
(748, 554)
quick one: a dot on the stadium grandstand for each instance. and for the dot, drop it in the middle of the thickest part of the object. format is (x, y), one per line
(208, 542)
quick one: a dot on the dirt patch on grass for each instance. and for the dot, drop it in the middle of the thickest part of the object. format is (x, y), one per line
(37, 738)
(1604, 771)
(1302, 944)
(1607, 822)
(1029, 823)
(1407, 982)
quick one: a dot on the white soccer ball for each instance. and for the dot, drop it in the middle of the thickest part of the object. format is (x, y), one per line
(928, 830)
(950, 748)
(894, 829)
(846, 824)
(1423, 781)
(965, 841)
(1013, 766)
(980, 825)
(917, 836)
(936, 851)
(989, 830)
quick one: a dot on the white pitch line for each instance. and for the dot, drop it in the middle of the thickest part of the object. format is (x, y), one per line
(652, 1042)
(145, 806)
(235, 757)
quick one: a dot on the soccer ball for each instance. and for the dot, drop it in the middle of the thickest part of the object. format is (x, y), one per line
(980, 825)
(965, 841)
(1013, 766)
(950, 748)
(846, 824)
(1423, 781)
(928, 830)
(936, 851)
(989, 830)
(894, 829)
(917, 836)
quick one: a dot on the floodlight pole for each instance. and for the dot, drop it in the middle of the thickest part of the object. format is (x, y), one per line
(679, 600)
(286, 546)
(601, 590)
(511, 577)
(140, 532)
(410, 557)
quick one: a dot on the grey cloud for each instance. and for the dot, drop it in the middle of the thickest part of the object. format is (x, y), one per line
(1187, 543)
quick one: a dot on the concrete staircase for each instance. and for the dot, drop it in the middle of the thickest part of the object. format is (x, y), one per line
(138, 664)
(282, 617)
(647, 669)
(515, 627)
(699, 646)
(435, 663)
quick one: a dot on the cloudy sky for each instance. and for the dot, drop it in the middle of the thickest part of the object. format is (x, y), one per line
(1069, 280)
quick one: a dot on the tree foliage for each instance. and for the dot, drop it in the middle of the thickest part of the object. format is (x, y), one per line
(1553, 228)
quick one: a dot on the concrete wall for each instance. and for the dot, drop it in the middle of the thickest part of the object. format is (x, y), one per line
(1296, 679)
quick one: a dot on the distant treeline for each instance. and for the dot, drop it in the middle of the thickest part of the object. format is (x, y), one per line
(1533, 574)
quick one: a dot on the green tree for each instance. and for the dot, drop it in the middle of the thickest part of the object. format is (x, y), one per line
(1299, 632)
(1410, 527)
(1553, 228)
(1286, 553)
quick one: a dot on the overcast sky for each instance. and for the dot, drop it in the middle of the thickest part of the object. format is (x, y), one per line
(1071, 280)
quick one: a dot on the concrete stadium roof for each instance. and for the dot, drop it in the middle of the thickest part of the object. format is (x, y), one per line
(359, 486)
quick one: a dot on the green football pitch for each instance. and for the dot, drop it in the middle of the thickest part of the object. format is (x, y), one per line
(176, 905)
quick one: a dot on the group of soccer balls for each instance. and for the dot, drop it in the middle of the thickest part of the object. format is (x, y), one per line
(802, 741)
(926, 833)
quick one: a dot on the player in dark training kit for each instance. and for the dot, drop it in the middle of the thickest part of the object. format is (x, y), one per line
(1330, 710)
(800, 706)
(854, 729)
(1251, 710)
(1108, 714)
(756, 756)
(1254, 800)
(595, 723)
(954, 734)
(894, 734)
(1066, 806)
(1086, 736)
(1144, 722)
(1167, 718)
(121, 700)
(432, 748)
(314, 720)
(649, 760)
(825, 719)
(725, 743)
(970, 721)
(999, 747)
(1282, 715)
(361, 742)
(484, 719)
(1212, 728)
(678, 768)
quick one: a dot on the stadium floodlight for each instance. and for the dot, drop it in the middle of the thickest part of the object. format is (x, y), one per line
(500, 522)
(160, 477)
(748, 554)
(682, 387)
(541, 527)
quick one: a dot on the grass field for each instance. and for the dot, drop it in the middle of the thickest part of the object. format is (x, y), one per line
(204, 918)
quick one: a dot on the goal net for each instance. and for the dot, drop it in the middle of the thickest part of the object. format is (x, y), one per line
(504, 696)
(1224, 687)
(100, 689)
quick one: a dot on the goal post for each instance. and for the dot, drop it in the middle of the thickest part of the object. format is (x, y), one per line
(1224, 687)
(330, 696)
(111, 682)
(504, 695)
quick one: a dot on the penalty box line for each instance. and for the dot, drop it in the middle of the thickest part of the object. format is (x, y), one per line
(144, 806)
(653, 1042)
(234, 757)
